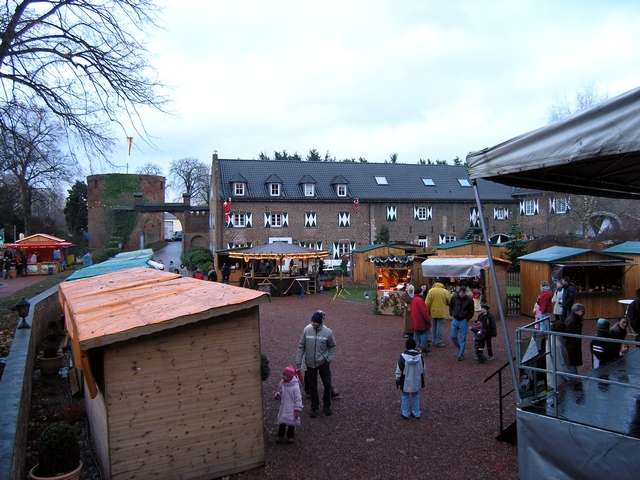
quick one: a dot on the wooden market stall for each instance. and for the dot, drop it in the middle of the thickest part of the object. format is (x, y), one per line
(171, 370)
(272, 268)
(630, 251)
(472, 272)
(469, 247)
(45, 254)
(598, 277)
(393, 272)
(363, 271)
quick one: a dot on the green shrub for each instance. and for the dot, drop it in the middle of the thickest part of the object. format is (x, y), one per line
(197, 257)
(59, 450)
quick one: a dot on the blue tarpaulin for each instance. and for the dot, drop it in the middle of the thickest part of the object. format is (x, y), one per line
(122, 261)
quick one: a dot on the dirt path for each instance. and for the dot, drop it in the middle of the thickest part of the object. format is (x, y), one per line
(366, 438)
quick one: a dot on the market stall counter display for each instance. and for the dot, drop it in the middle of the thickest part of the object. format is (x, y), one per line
(393, 273)
(598, 278)
(45, 254)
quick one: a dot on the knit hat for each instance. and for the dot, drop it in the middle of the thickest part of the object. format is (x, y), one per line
(317, 317)
(289, 372)
(603, 324)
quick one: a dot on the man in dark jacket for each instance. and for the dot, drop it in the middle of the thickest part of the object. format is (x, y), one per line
(568, 297)
(633, 315)
(573, 324)
(461, 309)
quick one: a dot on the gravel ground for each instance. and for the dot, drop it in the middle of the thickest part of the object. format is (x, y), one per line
(366, 438)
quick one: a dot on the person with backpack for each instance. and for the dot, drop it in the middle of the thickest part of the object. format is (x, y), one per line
(410, 380)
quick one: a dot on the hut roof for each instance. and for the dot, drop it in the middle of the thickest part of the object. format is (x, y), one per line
(122, 305)
(554, 254)
(122, 261)
(40, 240)
(457, 243)
(373, 246)
(630, 248)
(276, 251)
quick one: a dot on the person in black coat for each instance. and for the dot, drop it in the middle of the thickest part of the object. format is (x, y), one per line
(568, 296)
(633, 315)
(573, 324)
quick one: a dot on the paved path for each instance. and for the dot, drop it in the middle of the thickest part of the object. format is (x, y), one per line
(10, 286)
(172, 251)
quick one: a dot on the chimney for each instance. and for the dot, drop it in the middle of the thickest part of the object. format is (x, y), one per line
(186, 199)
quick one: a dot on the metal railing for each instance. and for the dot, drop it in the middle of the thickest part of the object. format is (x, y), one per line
(540, 329)
(501, 395)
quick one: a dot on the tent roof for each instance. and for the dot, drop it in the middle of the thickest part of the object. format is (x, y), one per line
(554, 254)
(595, 152)
(461, 267)
(276, 251)
(631, 248)
(141, 301)
(40, 240)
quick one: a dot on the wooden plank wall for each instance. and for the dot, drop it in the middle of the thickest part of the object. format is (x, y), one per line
(532, 274)
(187, 403)
(600, 306)
(632, 276)
(97, 415)
(363, 271)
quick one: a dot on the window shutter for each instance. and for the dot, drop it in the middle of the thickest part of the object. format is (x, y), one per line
(536, 209)
(552, 205)
(568, 204)
(392, 213)
(353, 246)
(415, 213)
(429, 213)
(495, 213)
(248, 220)
(267, 220)
(319, 245)
(507, 213)
(442, 239)
(285, 219)
(521, 207)
(335, 250)
(348, 220)
(474, 218)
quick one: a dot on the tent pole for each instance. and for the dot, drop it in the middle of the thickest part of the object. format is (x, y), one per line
(496, 290)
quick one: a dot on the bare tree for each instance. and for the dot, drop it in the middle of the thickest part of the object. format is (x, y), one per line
(149, 169)
(30, 153)
(82, 60)
(191, 176)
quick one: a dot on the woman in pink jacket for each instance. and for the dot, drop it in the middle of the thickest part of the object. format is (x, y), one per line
(288, 393)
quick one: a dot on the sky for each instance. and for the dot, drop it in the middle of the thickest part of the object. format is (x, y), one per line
(425, 79)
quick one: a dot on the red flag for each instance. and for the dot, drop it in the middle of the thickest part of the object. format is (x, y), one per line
(356, 204)
(226, 208)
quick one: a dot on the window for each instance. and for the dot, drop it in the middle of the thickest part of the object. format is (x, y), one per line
(529, 207)
(562, 205)
(423, 241)
(276, 218)
(238, 189)
(501, 213)
(239, 220)
(464, 182)
(382, 181)
(428, 182)
(344, 219)
(341, 190)
(422, 213)
(309, 190)
(274, 189)
(344, 248)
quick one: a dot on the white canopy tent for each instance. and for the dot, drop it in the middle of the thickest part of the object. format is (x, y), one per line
(595, 152)
(459, 267)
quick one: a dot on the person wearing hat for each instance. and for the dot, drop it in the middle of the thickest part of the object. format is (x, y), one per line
(484, 329)
(317, 347)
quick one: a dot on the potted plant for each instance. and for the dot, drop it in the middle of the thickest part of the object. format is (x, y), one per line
(51, 359)
(58, 454)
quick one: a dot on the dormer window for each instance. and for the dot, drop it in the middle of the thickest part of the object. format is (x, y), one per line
(341, 190)
(238, 189)
(274, 189)
(464, 182)
(309, 190)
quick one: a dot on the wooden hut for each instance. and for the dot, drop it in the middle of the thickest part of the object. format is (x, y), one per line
(44, 253)
(364, 271)
(630, 251)
(469, 248)
(171, 371)
(471, 271)
(598, 278)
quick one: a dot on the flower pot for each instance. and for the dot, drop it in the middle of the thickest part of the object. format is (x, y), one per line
(50, 365)
(74, 475)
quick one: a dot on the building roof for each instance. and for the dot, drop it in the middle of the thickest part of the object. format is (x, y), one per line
(630, 248)
(141, 301)
(404, 181)
(554, 254)
(39, 240)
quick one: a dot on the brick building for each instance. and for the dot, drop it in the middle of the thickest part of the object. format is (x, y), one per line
(338, 206)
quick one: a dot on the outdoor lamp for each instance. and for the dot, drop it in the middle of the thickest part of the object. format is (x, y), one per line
(22, 307)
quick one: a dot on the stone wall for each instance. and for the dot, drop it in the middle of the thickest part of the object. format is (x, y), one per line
(15, 384)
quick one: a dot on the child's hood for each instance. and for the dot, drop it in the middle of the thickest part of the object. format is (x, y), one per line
(411, 357)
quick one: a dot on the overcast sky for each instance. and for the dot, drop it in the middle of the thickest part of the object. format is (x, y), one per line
(425, 79)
